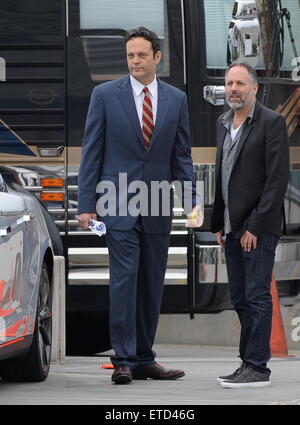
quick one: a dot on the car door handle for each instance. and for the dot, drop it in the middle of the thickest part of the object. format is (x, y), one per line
(4, 231)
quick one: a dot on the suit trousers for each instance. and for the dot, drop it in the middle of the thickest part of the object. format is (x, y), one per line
(137, 264)
(250, 276)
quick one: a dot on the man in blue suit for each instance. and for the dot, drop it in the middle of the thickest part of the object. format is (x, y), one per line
(137, 133)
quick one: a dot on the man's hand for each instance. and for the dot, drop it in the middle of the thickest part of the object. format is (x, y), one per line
(219, 237)
(83, 219)
(248, 241)
(195, 218)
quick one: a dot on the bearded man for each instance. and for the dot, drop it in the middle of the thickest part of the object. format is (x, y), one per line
(252, 168)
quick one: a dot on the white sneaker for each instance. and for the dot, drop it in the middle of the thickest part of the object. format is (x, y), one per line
(248, 378)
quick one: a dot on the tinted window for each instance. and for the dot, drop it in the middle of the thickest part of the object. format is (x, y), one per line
(218, 15)
(104, 24)
(288, 53)
(106, 14)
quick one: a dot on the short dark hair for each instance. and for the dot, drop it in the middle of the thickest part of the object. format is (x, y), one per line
(250, 69)
(147, 35)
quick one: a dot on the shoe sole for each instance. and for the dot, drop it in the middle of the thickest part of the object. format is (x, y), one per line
(141, 377)
(232, 385)
(122, 379)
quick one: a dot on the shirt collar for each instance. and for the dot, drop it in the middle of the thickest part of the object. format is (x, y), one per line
(228, 116)
(138, 87)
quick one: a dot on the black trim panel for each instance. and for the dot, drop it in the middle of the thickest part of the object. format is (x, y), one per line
(13, 349)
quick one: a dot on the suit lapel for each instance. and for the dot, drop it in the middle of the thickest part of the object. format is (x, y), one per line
(247, 131)
(241, 143)
(127, 101)
(221, 139)
(162, 110)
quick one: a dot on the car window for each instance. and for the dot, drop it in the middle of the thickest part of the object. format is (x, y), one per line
(3, 187)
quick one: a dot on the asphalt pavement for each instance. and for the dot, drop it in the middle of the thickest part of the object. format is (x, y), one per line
(82, 381)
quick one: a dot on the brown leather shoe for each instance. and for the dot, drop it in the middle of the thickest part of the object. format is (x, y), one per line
(122, 375)
(157, 371)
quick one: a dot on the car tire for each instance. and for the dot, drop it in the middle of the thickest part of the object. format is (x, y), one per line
(34, 366)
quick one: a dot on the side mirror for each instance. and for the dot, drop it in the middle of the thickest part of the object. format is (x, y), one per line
(244, 40)
(2, 185)
(11, 205)
(12, 208)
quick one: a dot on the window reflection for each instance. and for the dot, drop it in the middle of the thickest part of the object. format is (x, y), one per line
(103, 26)
(218, 16)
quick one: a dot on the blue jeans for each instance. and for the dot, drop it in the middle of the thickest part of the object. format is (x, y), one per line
(250, 276)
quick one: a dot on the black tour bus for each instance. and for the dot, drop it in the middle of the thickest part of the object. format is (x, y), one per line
(54, 52)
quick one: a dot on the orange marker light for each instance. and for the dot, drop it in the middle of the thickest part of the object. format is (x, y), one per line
(45, 182)
(52, 197)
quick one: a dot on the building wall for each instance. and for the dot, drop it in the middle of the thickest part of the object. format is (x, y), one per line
(220, 329)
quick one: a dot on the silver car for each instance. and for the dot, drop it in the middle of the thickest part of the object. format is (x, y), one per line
(26, 268)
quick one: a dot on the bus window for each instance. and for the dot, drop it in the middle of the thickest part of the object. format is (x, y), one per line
(104, 24)
(219, 25)
(288, 52)
(218, 15)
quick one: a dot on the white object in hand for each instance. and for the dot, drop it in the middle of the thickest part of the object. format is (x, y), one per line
(195, 218)
(97, 227)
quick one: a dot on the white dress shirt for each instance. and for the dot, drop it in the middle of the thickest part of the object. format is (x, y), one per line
(234, 131)
(138, 95)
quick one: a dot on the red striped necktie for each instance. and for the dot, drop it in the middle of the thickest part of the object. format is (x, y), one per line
(147, 118)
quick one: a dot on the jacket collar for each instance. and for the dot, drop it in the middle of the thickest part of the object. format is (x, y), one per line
(222, 133)
(227, 117)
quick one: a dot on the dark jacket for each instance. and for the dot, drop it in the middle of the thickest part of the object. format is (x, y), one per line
(259, 176)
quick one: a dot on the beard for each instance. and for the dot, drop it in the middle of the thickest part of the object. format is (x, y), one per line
(239, 103)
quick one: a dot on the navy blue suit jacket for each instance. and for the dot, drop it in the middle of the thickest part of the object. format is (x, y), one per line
(113, 144)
